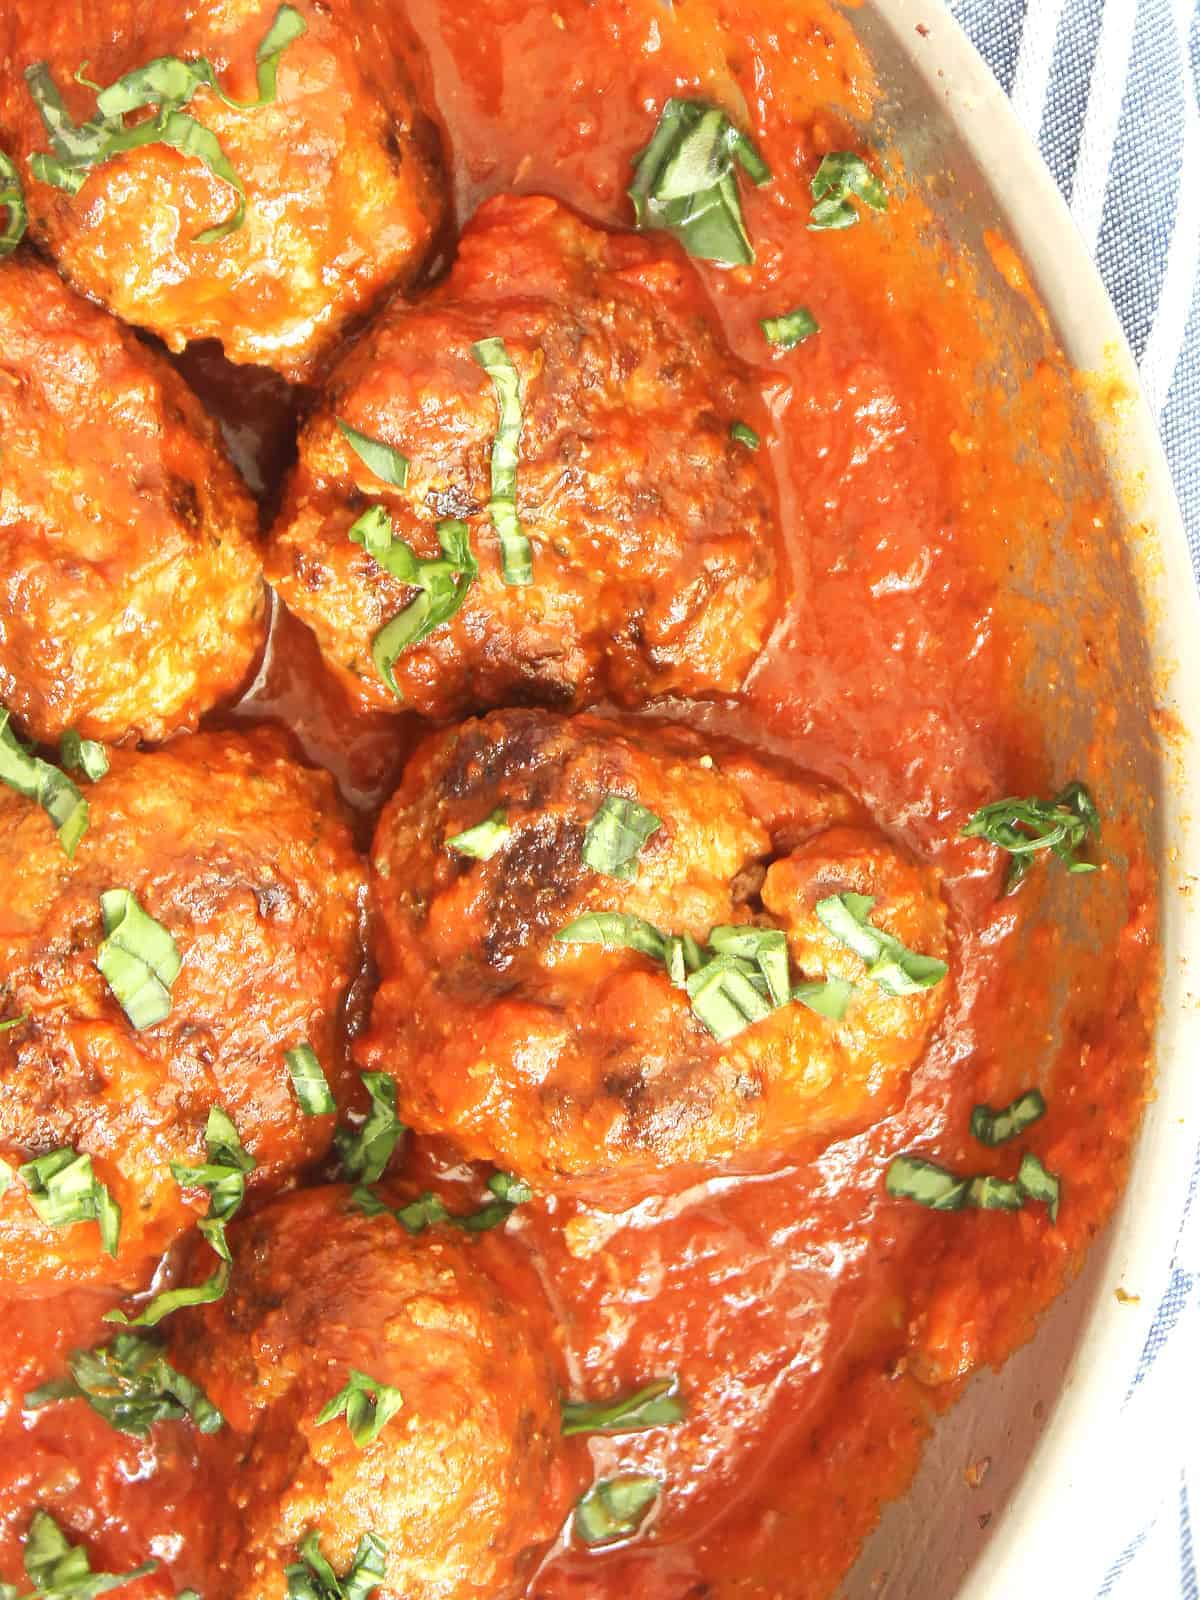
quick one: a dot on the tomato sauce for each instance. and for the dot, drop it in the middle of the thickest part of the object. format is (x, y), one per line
(816, 1325)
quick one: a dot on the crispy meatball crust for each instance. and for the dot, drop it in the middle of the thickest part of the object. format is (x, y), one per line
(342, 173)
(464, 1484)
(131, 592)
(580, 1067)
(244, 857)
(652, 528)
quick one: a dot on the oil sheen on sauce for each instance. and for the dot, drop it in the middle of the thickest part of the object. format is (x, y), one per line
(817, 1327)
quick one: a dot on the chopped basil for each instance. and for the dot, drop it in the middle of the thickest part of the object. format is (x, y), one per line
(615, 930)
(312, 1578)
(911, 1178)
(14, 1022)
(616, 834)
(766, 947)
(615, 1508)
(841, 178)
(1024, 827)
(430, 1209)
(726, 998)
(12, 199)
(685, 181)
(132, 1385)
(442, 583)
(37, 780)
(309, 1081)
(367, 1405)
(8, 1176)
(791, 329)
(516, 552)
(60, 1570)
(897, 970)
(64, 1191)
(998, 1127)
(138, 958)
(169, 83)
(82, 755)
(743, 433)
(365, 1151)
(484, 839)
(1035, 1183)
(384, 461)
(223, 1176)
(828, 998)
(655, 1406)
(988, 1193)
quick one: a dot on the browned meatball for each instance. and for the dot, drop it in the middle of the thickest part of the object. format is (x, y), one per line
(341, 171)
(131, 592)
(651, 527)
(466, 1479)
(245, 859)
(581, 1065)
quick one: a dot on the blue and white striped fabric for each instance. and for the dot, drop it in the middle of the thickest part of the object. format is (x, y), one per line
(1110, 90)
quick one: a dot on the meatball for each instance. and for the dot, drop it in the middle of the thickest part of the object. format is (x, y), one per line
(651, 527)
(466, 1479)
(131, 592)
(582, 1066)
(341, 170)
(245, 859)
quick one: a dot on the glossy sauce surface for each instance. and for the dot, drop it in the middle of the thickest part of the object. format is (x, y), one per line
(816, 1325)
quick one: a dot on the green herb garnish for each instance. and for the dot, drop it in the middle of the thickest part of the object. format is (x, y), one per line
(83, 755)
(442, 583)
(615, 930)
(1035, 1183)
(998, 1127)
(383, 460)
(789, 330)
(1024, 827)
(516, 552)
(685, 181)
(430, 1210)
(828, 998)
(12, 199)
(37, 780)
(367, 1405)
(616, 835)
(309, 1081)
(168, 83)
(14, 1022)
(64, 1191)
(911, 1178)
(312, 1578)
(138, 958)
(655, 1406)
(132, 1385)
(615, 1508)
(842, 178)
(897, 970)
(743, 433)
(484, 839)
(365, 1151)
(60, 1570)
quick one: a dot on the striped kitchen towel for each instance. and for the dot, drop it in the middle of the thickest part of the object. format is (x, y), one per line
(1110, 90)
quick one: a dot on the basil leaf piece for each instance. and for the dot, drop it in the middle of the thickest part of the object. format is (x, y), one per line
(766, 947)
(655, 1406)
(897, 970)
(384, 461)
(312, 1578)
(138, 959)
(615, 930)
(287, 27)
(615, 1508)
(223, 1176)
(430, 1209)
(726, 998)
(309, 1081)
(83, 755)
(684, 181)
(998, 1127)
(988, 1193)
(483, 840)
(367, 1405)
(828, 998)
(12, 199)
(911, 1178)
(1025, 827)
(787, 331)
(64, 1191)
(37, 780)
(744, 434)
(132, 1385)
(60, 1570)
(14, 1022)
(443, 584)
(841, 178)
(365, 1151)
(516, 552)
(1035, 1183)
(616, 834)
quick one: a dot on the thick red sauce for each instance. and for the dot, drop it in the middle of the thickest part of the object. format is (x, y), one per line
(817, 1326)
